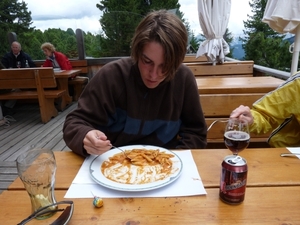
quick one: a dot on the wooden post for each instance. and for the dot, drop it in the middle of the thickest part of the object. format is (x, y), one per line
(80, 44)
(12, 37)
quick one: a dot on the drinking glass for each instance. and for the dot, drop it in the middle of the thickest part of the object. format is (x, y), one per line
(236, 135)
(36, 169)
(18, 64)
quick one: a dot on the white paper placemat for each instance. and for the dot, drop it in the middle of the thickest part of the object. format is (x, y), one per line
(294, 150)
(188, 184)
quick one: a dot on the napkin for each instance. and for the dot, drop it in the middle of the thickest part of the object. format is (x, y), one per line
(294, 150)
(188, 184)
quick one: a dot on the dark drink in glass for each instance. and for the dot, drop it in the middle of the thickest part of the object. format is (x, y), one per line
(236, 140)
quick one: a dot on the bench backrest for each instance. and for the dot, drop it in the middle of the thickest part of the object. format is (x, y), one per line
(192, 58)
(25, 78)
(80, 65)
(221, 105)
(232, 68)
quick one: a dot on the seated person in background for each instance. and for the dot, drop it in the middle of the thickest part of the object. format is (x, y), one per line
(55, 59)
(278, 111)
(16, 58)
(149, 98)
(2, 66)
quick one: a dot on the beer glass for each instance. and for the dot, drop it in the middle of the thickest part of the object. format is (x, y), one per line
(36, 168)
(236, 135)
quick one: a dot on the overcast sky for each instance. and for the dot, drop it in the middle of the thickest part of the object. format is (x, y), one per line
(85, 15)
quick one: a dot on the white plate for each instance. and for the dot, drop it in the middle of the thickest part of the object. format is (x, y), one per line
(97, 176)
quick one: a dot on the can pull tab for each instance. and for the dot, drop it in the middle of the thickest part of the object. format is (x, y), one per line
(235, 160)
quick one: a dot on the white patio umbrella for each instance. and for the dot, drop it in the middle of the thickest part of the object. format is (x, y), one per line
(284, 17)
(213, 18)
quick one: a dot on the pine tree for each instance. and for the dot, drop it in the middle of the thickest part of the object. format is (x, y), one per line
(14, 17)
(121, 17)
(261, 43)
(194, 43)
(228, 38)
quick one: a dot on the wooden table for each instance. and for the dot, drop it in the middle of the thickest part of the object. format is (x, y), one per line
(274, 205)
(272, 195)
(229, 85)
(262, 164)
(62, 79)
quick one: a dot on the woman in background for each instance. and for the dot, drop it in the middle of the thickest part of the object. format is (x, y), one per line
(55, 59)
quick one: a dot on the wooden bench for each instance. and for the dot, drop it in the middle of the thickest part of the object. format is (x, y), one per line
(32, 83)
(78, 83)
(227, 69)
(220, 95)
(218, 107)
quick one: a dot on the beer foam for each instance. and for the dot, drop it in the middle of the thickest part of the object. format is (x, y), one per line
(237, 135)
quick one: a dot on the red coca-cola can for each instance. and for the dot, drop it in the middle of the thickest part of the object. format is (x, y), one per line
(233, 179)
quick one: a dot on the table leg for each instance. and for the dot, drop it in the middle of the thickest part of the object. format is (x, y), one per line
(62, 84)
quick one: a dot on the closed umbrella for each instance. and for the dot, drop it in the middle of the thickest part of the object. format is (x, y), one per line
(213, 18)
(284, 17)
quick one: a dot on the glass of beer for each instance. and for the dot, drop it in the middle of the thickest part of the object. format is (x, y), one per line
(36, 169)
(236, 135)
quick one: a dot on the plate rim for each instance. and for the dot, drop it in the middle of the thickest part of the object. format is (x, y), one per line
(125, 187)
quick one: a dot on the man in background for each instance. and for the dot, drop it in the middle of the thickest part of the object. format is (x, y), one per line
(16, 58)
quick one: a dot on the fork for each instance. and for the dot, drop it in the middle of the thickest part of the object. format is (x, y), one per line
(289, 154)
(121, 151)
(118, 149)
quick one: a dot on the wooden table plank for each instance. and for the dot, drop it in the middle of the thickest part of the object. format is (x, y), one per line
(265, 168)
(274, 205)
(230, 85)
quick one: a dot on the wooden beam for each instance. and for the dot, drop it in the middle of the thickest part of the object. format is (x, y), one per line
(80, 44)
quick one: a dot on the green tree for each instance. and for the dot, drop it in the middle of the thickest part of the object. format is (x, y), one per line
(119, 20)
(14, 17)
(32, 41)
(261, 43)
(64, 41)
(228, 38)
(92, 45)
(194, 43)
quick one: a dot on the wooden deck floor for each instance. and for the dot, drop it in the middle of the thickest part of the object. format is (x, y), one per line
(28, 131)
(25, 132)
